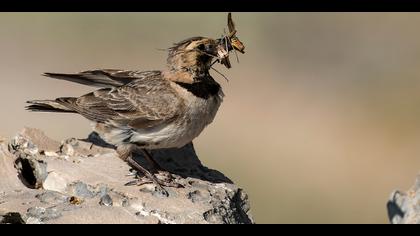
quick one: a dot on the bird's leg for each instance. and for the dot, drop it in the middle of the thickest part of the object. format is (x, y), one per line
(158, 168)
(125, 152)
(152, 161)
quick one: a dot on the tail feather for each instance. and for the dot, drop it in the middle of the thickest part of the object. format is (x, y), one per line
(48, 106)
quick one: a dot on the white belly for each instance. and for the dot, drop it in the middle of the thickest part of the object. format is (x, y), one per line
(198, 115)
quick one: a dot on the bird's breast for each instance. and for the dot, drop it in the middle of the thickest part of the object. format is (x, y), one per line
(199, 112)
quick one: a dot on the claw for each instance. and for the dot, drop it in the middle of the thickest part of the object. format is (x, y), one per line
(131, 183)
(168, 181)
(171, 184)
(138, 182)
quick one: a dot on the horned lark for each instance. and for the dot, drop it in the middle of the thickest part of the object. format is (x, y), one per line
(138, 111)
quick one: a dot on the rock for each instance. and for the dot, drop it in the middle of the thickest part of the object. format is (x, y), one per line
(81, 190)
(52, 197)
(404, 207)
(31, 171)
(43, 214)
(11, 218)
(199, 196)
(55, 182)
(83, 181)
(106, 200)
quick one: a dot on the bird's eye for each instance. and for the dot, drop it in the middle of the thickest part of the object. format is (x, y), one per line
(210, 47)
(201, 47)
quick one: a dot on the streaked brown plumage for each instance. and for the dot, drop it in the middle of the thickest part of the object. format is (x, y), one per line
(140, 110)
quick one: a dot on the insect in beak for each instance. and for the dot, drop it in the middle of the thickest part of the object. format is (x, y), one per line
(223, 56)
(234, 40)
(237, 44)
(228, 42)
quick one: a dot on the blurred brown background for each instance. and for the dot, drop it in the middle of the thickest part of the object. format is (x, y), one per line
(321, 117)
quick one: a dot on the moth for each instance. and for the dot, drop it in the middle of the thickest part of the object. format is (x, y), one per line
(234, 40)
(231, 42)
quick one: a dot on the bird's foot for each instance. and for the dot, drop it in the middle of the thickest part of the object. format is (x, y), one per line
(167, 179)
(150, 178)
(162, 178)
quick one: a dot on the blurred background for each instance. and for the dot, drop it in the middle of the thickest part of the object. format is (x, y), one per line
(320, 122)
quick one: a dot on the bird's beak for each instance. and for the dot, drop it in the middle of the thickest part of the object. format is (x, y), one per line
(223, 56)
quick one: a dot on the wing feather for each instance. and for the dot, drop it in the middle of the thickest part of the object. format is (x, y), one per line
(103, 78)
(143, 103)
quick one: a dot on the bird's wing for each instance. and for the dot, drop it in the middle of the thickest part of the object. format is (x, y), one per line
(103, 78)
(142, 103)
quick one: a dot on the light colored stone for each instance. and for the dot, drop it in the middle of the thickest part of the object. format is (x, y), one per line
(51, 154)
(55, 182)
(85, 184)
(42, 141)
(33, 221)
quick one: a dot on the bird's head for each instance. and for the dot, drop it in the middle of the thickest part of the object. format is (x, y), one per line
(196, 54)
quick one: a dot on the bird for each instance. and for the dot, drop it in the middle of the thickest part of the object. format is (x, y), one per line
(139, 111)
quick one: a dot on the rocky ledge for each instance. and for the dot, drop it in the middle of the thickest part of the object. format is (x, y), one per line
(404, 207)
(82, 181)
